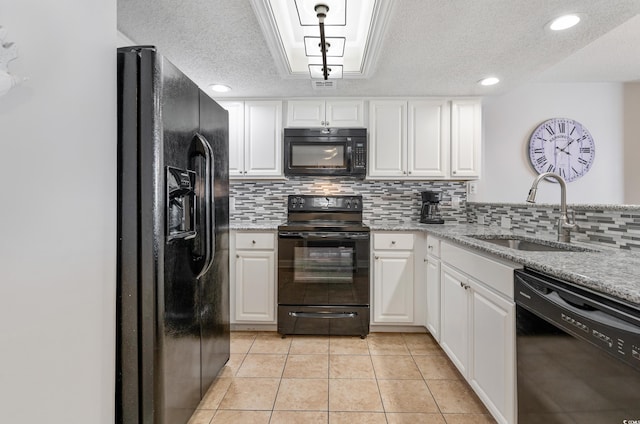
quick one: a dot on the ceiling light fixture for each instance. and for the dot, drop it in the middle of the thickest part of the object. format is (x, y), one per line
(353, 32)
(321, 11)
(564, 22)
(489, 81)
(220, 88)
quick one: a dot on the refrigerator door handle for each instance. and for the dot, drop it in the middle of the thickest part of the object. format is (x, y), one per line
(209, 241)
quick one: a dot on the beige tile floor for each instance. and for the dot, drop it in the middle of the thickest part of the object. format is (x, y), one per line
(388, 378)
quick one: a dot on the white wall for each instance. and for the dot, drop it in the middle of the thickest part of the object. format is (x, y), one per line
(58, 214)
(508, 121)
(632, 143)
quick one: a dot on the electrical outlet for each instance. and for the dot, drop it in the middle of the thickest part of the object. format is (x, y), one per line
(505, 222)
(232, 204)
(455, 201)
(472, 187)
(480, 219)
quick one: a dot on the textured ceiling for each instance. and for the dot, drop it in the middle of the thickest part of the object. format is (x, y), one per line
(431, 48)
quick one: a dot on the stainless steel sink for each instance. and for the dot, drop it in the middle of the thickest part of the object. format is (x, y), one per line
(530, 245)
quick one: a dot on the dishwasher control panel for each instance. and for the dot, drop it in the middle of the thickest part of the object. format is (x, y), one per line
(584, 315)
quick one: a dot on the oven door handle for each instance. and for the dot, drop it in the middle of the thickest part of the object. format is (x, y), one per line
(324, 235)
(330, 315)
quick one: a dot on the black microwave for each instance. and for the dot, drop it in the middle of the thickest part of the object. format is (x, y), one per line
(325, 152)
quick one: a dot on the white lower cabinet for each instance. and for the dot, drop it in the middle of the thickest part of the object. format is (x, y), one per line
(253, 277)
(397, 288)
(454, 319)
(492, 370)
(432, 275)
(477, 327)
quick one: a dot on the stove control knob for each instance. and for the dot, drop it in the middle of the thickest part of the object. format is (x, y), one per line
(355, 203)
(348, 204)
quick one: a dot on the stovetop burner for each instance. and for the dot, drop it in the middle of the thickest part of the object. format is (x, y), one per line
(324, 213)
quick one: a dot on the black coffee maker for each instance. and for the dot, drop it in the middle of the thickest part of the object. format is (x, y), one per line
(430, 211)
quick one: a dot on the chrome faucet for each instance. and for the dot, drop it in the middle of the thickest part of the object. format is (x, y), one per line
(564, 225)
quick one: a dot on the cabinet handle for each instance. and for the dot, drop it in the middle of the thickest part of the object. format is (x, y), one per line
(463, 285)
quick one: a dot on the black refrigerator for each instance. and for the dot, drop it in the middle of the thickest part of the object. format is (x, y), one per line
(173, 241)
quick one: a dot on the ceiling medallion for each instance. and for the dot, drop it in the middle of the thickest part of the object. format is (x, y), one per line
(325, 39)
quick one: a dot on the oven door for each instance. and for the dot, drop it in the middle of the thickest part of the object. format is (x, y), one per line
(323, 268)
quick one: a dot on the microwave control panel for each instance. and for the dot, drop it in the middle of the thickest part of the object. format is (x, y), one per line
(360, 154)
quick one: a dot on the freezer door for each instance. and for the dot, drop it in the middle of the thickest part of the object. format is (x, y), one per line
(214, 285)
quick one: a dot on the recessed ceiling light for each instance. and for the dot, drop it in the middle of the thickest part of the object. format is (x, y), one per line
(489, 81)
(564, 22)
(220, 88)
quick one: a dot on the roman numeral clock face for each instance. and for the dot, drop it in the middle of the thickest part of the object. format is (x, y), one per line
(562, 146)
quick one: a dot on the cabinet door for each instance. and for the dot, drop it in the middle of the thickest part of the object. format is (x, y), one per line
(255, 289)
(454, 317)
(433, 296)
(236, 137)
(305, 113)
(263, 138)
(344, 113)
(428, 138)
(387, 138)
(492, 367)
(393, 287)
(466, 138)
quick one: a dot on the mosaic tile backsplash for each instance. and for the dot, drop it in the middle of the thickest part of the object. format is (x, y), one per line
(607, 225)
(389, 201)
(399, 202)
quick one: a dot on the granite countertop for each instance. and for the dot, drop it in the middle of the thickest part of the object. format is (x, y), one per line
(607, 270)
(257, 225)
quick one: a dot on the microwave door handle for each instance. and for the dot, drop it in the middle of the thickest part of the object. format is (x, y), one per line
(349, 157)
(208, 204)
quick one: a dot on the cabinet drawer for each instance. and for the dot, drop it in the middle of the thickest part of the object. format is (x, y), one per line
(433, 246)
(392, 241)
(255, 241)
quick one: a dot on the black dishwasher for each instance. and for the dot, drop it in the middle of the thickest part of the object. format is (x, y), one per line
(578, 353)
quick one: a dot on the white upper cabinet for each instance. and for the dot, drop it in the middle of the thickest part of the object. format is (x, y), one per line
(424, 139)
(255, 138)
(236, 137)
(325, 113)
(387, 138)
(428, 139)
(466, 138)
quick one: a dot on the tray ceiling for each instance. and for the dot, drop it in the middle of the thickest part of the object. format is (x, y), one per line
(430, 48)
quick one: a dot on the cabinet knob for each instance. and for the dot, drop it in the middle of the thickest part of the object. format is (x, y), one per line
(238, 256)
(327, 123)
(453, 172)
(409, 172)
(253, 242)
(430, 247)
(376, 257)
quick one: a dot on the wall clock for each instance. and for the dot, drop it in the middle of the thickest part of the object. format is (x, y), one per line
(562, 146)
